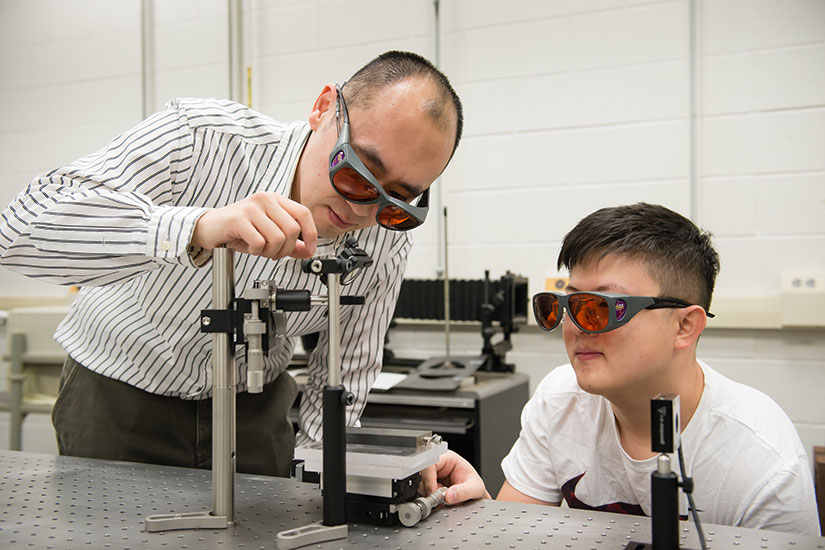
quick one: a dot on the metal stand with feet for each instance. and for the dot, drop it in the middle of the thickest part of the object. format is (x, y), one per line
(223, 414)
(335, 400)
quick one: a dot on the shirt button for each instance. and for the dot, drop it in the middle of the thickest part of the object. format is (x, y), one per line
(165, 245)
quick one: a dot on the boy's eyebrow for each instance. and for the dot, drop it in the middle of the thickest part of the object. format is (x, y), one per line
(601, 288)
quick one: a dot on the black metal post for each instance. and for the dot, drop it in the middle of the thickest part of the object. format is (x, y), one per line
(664, 487)
(335, 464)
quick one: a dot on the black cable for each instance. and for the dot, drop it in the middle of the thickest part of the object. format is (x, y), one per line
(687, 487)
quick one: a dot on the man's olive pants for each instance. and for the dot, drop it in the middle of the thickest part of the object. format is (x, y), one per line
(99, 417)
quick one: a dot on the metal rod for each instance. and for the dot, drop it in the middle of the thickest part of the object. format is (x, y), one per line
(223, 392)
(249, 87)
(695, 107)
(235, 50)
(334, 293)
(438, 193)
(16, 380)
(147, 56)
(447, 360)
(334, 416)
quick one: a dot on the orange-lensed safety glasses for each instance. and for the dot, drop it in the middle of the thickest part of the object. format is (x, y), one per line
(596, 312)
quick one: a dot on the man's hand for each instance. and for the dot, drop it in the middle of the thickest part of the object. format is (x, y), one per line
(264, 224)
(454, 472)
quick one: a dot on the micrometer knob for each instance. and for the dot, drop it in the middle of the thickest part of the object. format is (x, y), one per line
(255, 383)
(436, 498)
(255, 369)
(410, 513)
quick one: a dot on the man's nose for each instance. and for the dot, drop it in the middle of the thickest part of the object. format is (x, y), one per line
(364, 210)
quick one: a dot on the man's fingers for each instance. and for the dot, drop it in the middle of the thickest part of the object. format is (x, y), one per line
(302, 251)
(264, 224)
(279, 232)
(246, 237)
(301, 214)
(428, 481)
(286, 227)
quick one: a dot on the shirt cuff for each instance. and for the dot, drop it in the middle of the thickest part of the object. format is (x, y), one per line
(170, 230)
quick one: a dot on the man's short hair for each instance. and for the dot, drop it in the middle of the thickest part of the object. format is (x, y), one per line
(680, 256)
(394, 66)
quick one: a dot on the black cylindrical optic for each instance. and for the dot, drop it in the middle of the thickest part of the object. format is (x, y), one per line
(292, 300)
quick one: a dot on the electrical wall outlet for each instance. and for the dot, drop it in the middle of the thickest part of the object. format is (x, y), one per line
(803, 282)
(802, 299)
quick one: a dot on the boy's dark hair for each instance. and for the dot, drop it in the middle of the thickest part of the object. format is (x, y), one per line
(679, 255)
(395, 66)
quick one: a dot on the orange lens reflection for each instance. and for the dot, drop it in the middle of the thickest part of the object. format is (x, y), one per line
(353, 186)
(548, 310)
(591, 312)
(392, 216)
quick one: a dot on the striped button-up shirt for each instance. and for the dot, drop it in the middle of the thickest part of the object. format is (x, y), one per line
(118, 224)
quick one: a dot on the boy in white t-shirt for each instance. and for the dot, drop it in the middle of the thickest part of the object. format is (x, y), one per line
(641, 280)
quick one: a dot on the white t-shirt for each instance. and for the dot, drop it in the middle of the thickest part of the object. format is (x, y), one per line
(742, 451)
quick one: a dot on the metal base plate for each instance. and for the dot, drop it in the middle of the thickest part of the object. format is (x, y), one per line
(49, 502)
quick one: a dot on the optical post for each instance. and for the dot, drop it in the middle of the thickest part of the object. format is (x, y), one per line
(664, 483)
(247, 320)
(223, 409)
(665, 426)
(335, 400)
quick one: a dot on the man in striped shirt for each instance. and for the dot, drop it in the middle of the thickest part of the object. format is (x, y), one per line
(134, 224)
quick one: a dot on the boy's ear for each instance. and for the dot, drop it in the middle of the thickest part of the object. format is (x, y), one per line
(692, 322)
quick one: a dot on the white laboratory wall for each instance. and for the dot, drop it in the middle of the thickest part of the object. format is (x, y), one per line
(569, 106)
(70, 82)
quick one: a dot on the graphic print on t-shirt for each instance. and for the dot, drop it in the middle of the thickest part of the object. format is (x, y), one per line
(568, 489)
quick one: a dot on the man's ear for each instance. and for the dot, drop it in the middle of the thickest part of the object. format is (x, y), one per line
(692, 322)
(324, 107)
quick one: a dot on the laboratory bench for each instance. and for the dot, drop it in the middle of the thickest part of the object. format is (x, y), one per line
(58, 502)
